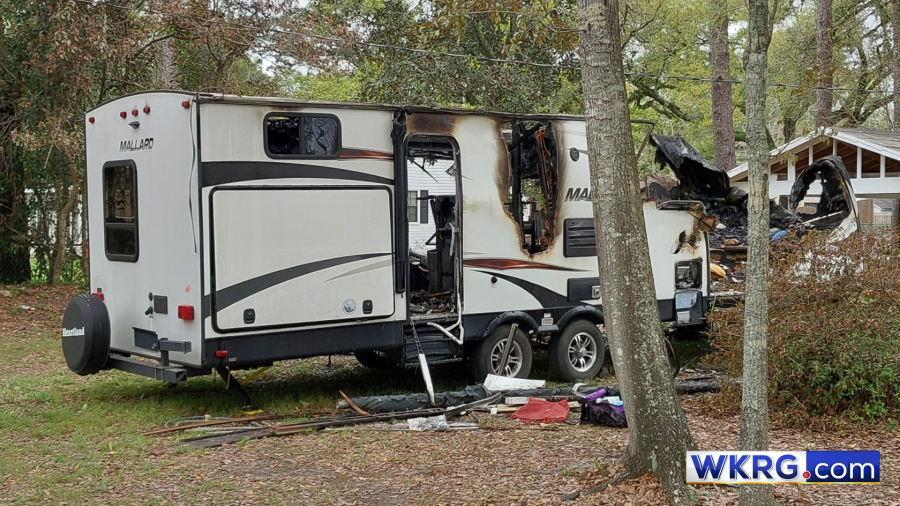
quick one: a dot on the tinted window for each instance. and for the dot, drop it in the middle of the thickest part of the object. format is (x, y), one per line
(120, 211)
(302, 136)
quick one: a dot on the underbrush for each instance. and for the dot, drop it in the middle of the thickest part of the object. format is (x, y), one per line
(834, 329)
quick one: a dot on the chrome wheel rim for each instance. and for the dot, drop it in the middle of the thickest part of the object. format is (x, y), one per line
(582, 351)
(513, 361)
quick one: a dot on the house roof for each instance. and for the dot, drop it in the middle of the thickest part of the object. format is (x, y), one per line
(880, 142)
(884, 203)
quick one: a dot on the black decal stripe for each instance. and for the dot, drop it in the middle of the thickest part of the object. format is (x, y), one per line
(235, 293)
(546, 297)
(216, 173)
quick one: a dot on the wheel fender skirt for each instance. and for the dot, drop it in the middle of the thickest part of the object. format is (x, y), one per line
(589, 312)
(526, 322)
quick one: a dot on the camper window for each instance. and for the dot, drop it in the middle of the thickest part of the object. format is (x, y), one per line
(120, 211)
(302, 135)
(412, 207)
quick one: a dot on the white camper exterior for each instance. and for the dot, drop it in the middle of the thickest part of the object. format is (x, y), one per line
(230, 232)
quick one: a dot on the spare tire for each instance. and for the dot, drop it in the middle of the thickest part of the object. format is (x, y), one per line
(86, 334)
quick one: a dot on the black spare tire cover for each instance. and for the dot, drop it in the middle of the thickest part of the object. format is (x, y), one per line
(85, 334)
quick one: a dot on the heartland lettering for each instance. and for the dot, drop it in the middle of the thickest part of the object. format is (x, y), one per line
(73, 332)
(136, 145)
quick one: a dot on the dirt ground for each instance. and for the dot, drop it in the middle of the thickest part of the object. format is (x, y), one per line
(73, 440)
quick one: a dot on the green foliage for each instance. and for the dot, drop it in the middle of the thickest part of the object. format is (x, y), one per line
(834, 328)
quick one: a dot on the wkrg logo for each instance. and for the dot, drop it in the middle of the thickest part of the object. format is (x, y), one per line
(783, 467)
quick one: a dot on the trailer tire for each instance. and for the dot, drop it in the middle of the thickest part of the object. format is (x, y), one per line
(488, 354)
(374, 359)
(578, 352)
(86, 334)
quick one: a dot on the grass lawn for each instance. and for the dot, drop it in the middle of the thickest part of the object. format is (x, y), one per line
(77, 440)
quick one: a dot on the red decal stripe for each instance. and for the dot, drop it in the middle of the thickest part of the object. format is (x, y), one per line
(509, 263)
(364, 154)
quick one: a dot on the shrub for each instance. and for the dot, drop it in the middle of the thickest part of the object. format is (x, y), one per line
(834, 327)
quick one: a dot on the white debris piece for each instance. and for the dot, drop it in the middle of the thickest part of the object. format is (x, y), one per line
(496, 383)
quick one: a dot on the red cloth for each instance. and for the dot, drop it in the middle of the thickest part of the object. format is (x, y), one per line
(541, 411)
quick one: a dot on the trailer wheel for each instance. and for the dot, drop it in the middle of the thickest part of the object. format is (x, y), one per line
(374, 359)
(85, 334)
(489, 353)
(578, 352)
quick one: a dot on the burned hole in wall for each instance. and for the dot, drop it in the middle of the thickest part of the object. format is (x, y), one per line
(532, 200)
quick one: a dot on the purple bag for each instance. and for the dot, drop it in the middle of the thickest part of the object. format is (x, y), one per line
(602, 413)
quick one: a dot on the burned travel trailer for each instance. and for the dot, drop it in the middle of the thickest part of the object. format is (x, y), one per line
(254, 230)
(835, 212)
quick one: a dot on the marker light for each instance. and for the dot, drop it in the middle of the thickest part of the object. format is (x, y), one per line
(221, 353)
(146, 109)
(123, 114)
(186, 313)
(186, 104)
(91, 119)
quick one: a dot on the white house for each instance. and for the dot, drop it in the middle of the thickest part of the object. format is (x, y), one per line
(425, 179)
(872, 158)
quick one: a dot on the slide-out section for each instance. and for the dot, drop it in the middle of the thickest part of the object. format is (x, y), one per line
(291, 256)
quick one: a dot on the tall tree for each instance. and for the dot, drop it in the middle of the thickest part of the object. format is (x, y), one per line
(895, 66)
(754, 401)
(168, 68)
(722, 108)
(15, 263)
(824, 56)
(658, 432)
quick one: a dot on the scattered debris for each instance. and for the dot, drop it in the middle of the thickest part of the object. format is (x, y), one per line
(27, 307)
(395, 403)
(323, 423)
(354, 407)
(601, 409)
(701, 181)
(401, 427)
(541, 411)
(438, 422)
(496, 383)
(208, 422)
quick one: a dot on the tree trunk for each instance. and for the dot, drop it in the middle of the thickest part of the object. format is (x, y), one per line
(658, 432)
(895, 64)
(15, 257)
(825, 79)
(722, 108)
(62, 226)
(754, 401)
(167, 65)
(168, 69)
